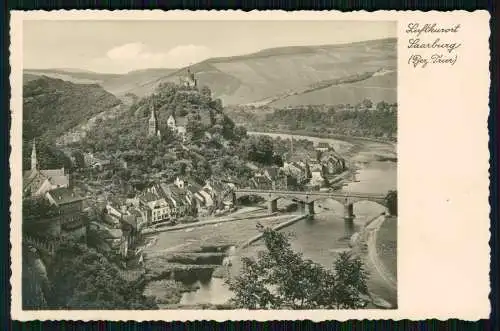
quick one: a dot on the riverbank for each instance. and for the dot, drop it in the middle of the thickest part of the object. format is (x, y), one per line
(381, 266)
(351, 139)
(214, 244)
(228, 218)
(184, 267)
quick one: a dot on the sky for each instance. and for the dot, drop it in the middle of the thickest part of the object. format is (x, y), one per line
(123, 46)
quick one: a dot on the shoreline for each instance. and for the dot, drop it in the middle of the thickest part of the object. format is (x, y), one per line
(365, 246)
(349, 139)
(218, 271)
(202, 223)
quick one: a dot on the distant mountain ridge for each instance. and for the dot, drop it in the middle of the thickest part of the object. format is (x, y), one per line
(281, 74)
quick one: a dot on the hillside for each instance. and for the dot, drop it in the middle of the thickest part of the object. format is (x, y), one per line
(118, 84)
(71, 75)
(381, 87)
(254, 77)
(213, 140)
(262, 76)
(53, 106)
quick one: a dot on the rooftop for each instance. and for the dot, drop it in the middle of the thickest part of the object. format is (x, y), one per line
(64, 196)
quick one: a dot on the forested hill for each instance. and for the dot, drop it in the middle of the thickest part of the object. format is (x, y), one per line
(53, 106)
(214, 145)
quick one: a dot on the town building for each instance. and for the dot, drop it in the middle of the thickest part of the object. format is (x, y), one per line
(70, 208)
(37, 182)
(332, 164)
(157, 208)
(96, 162)
(180, 130)
(296, 170)
(316, 175)
(262, 182)
(323, 147)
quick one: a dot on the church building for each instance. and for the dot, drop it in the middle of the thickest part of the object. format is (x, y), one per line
(37, 182)
(153, 123)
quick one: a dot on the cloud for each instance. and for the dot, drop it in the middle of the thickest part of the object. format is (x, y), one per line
(133, 56)
(126, 52)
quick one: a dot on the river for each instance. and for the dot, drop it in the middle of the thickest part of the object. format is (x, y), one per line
(319, 239)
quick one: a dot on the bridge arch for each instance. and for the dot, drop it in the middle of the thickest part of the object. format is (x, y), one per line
(348, 200)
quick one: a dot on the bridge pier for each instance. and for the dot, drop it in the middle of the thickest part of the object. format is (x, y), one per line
(310, 208)
(348, 220)
(233, 198)
(302, 206)
(272, 206)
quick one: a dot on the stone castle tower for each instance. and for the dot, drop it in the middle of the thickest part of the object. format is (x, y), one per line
(189, 79)
(34, 164)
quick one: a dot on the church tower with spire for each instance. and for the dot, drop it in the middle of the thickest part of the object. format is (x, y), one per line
(34, 164)
(153, 126)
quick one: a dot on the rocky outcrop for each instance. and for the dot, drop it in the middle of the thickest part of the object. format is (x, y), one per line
(35, 283)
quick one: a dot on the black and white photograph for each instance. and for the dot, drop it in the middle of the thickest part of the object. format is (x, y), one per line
(218, 165)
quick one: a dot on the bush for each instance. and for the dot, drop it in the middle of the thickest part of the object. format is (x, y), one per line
(282, 279)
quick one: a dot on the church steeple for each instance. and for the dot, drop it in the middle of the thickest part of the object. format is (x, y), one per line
(33, 157)
(153, 128)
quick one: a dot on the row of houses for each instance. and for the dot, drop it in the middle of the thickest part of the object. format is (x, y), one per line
(170, 201)
(313, 172)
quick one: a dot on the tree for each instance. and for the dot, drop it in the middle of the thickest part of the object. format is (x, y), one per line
(82, 278)
(79, 159)
(38, 207)
(392, 202)
(277, 159)
(194, 126)
(205, 91)
(382, 105)
(282, 279)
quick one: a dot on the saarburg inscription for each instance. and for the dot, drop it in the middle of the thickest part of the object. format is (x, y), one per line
(432, 37)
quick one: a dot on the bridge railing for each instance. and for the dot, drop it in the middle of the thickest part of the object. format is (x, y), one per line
(317, 193)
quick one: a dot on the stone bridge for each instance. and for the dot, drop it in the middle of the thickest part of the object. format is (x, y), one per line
(306, 200)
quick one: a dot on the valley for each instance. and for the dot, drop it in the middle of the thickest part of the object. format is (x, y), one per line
(264, 75)
(152, 160)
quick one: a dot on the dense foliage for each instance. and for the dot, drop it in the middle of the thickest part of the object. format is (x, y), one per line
(48, 156)
(82, 278)
(282, 279)
(392, 202)
(38, 208)
(53, 106)
(215, 145)
(362, 120)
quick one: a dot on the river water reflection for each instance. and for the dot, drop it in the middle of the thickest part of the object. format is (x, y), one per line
(318, 239)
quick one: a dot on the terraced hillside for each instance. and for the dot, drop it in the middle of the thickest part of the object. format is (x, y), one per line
(284, 76)
(255, 77)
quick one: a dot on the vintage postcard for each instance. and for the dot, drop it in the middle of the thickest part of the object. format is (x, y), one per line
(249, 166)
